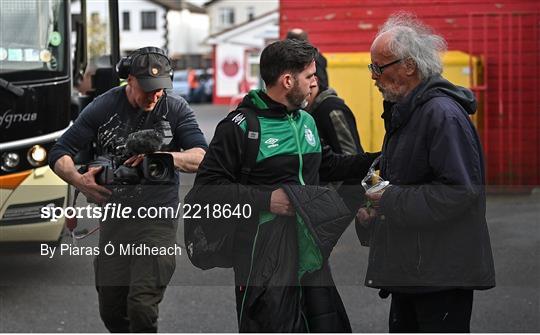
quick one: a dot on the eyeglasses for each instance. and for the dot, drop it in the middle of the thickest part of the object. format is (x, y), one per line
(378, 70)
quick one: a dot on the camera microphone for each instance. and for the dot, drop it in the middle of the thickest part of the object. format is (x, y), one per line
(143, 142)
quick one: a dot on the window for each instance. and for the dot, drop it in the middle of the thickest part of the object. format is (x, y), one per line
(125, 21)
(250, 13)
(226, 16)
(94, 17)
(253, 64)
(148, 20)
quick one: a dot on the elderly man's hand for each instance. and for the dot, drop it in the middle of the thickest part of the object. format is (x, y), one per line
(374, 198)
(365, 216)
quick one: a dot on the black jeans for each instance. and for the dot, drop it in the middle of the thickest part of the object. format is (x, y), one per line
(446, 311)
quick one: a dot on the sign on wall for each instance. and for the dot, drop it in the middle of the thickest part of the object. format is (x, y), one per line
(229, 69)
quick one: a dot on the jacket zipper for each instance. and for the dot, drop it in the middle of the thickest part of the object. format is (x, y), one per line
(301, 178)
(419, 250)
(302, 312)
(248, 278)
(300, 159)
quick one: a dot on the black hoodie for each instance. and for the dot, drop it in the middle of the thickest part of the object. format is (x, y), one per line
(432, 233)
(335, 122)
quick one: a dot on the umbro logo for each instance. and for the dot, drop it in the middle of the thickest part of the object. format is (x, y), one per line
(271, 142)
(238, 118)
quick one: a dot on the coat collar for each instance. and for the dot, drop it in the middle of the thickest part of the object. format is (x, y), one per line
(397, 114)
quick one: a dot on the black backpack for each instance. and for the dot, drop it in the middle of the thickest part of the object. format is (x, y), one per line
(209, 242)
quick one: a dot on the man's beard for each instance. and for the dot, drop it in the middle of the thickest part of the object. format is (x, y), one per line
(388, 95)
(296, 98)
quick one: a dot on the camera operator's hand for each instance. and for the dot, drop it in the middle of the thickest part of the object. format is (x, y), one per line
(185, 161)
(86, 182)
(93, 192)
(188, 160)
(134, 160)
(280, 203)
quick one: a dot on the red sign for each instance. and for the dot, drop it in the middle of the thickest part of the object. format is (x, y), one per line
(230, 67)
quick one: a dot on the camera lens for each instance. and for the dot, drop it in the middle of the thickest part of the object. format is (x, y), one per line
(157, 170)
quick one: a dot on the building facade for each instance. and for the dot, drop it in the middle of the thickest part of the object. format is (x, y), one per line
(239, 30)
(142, 23)
(178, 27)
(188, 27)
(236, 55)
(225, 14)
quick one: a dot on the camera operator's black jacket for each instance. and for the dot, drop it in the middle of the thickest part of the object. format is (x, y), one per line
(432, 233)
(274, 255)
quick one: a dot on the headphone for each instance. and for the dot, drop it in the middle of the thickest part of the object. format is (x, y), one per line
(123, 68)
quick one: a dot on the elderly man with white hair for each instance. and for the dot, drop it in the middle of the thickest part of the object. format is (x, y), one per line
(430, 246)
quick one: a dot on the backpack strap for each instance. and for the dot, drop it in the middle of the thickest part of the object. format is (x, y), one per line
(251, 145)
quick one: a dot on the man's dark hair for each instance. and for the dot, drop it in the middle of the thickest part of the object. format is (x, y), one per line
(286, 55)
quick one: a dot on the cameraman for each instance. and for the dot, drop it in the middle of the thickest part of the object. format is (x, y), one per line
(131, 287)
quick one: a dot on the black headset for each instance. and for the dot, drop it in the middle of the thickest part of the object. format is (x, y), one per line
(123, 68)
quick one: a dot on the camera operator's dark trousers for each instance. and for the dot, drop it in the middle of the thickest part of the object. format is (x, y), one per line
(446, 311)
(130, 289)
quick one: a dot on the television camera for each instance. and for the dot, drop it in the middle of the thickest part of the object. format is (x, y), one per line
(155, 169)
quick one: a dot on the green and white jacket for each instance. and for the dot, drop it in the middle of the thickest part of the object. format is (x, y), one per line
(290, 152)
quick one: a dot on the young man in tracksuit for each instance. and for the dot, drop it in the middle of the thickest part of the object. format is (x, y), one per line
(283, 284)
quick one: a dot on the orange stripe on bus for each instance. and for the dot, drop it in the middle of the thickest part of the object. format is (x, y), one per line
(13, 180)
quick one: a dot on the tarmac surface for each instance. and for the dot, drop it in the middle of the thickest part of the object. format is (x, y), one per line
(41, 294)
